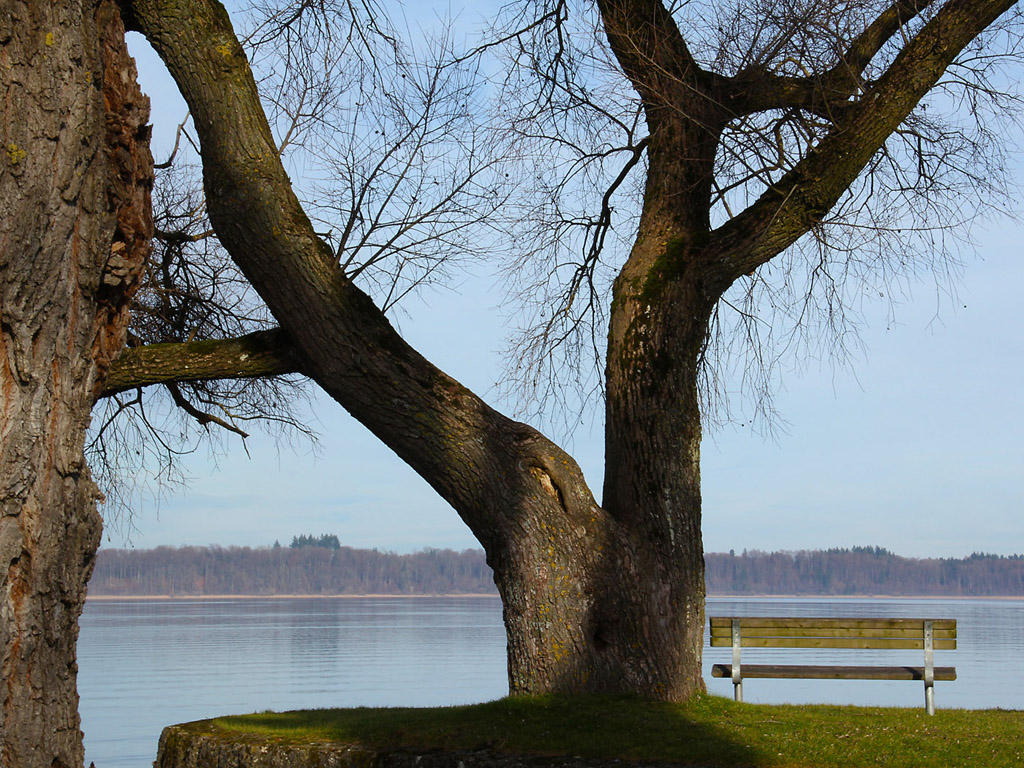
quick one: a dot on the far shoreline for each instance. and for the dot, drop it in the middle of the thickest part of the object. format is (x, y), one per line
(281, 597)
(376, 596)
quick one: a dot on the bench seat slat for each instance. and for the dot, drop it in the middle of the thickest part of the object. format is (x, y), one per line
(829, 632)
(803, 622)
(832, 642)
(810, 672)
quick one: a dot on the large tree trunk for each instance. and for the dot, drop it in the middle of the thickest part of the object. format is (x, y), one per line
(616, 605)
(652, 455)
(74, 213)
(588, 604)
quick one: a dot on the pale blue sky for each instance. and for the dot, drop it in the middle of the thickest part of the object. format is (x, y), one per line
(918, 448)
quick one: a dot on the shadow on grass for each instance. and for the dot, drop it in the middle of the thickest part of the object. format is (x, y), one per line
(596, 728)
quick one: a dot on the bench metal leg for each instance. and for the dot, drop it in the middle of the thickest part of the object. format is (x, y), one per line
(929, 667)
(737, 673)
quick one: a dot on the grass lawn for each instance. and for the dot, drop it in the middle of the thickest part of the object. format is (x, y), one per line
(710, 731)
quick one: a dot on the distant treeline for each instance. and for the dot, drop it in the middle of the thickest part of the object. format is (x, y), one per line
(296, 570)
(324, 568)
(863, 571)
(328, 540)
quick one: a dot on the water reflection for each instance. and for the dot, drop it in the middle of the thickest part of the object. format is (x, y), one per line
(146, 664)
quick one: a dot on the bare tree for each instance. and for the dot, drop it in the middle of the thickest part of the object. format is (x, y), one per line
(749, 134)
(753, 138)
(570, 108)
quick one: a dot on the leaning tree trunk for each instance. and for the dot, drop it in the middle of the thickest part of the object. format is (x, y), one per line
(74, 213)
(593, 602)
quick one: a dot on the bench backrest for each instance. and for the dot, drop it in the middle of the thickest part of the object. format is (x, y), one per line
(778, 632)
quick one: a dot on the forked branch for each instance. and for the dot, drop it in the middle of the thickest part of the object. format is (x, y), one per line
(802, 197)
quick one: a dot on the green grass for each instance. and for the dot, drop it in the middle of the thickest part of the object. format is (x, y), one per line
(709, 731)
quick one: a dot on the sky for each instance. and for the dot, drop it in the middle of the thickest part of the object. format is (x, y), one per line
(917, 447)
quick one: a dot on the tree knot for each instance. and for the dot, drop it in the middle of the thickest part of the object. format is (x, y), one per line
(548, 484)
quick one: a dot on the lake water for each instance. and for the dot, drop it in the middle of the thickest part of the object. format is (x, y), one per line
(144, 664)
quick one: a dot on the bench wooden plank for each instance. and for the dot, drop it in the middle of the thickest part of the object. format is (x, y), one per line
(858, 623)
(833, 642)
(811, 672)
(828, 632)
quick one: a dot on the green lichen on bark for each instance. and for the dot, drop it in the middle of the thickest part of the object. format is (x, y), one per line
(667, 268)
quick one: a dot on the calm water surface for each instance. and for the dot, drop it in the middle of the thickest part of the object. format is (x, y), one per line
(146, 664)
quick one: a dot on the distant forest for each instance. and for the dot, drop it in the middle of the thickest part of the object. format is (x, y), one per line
(863, 571)
(301, 569)
(321, 566)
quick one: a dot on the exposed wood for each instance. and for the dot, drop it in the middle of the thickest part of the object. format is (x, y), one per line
(784, 632)
(800, 632)
(854, 633)
(811, 672)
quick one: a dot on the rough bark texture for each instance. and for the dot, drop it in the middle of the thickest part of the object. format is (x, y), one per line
(652, 449)
(679, 268)
(74, 228)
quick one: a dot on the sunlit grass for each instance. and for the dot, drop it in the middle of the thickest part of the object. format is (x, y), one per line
(709, 731)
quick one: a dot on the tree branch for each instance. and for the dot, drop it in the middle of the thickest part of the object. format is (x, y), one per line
(204, 418)
(264, 353)
(825, 94)
(349, 348)
(652, 52)
(870, 41)
(804, 195)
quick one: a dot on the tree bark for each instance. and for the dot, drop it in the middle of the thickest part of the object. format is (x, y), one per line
(679, 268)
(652, 451)
(261, 353)
(74, 229)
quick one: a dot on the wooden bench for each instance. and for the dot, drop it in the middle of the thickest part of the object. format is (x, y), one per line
(767, 632)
